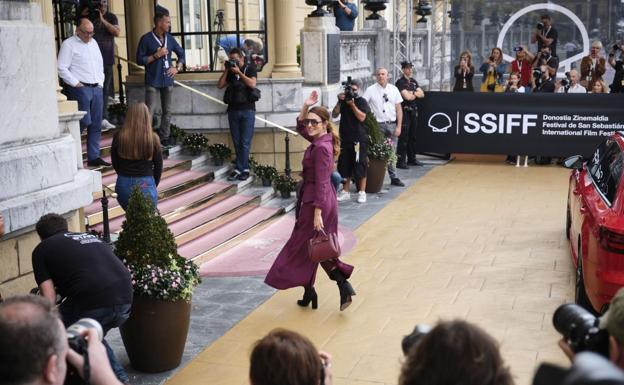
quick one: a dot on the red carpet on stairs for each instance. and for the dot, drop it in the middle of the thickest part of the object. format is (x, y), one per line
(255, 255)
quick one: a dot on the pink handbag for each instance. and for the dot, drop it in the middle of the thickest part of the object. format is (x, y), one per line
(323, 246)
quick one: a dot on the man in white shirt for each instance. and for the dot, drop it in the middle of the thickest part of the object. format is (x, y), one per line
(81, 67)
(385, 101)
(574, 87)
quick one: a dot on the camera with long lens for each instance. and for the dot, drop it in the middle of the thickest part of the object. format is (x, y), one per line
(581, 329)
(412, 339)
(93, 9)
(565, 82)
(540, 26)
(76, 340)
(230, 63)
(348, 91)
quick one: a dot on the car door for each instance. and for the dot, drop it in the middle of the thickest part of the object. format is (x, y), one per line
(596, 202)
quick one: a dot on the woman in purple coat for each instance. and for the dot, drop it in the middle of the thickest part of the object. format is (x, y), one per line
(316, 210)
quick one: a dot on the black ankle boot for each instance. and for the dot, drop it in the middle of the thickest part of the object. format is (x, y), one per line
(309, 295)
(345, 288)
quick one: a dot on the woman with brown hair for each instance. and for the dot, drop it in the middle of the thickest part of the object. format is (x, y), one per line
(136, 155)
(464, 72)
(316, 210)
(455, 352)
(493, 70)
(288, 358)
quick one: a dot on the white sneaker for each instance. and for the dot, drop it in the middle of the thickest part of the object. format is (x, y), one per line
(107, 125)
(361, 197)
(343, 196)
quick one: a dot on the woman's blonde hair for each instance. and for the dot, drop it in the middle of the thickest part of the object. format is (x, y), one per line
(136, 140)
(323, 113)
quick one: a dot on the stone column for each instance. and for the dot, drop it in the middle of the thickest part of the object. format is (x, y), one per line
(47, 16)
(139, 16)
(285, 42)
(383, 44)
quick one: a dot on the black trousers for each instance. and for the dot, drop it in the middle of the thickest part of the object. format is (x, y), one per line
(406, 147)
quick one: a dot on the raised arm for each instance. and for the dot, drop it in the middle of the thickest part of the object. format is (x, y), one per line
(303, 114)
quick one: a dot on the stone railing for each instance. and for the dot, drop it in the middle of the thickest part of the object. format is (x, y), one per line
(357, 55)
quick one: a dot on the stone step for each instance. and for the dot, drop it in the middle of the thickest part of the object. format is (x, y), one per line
(168, 187)
(196, 248)
(212, 217)
(283, 205)
(105, 147)
(170, 167)
(181, 205)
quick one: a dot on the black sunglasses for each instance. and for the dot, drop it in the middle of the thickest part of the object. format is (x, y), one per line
(313, 122)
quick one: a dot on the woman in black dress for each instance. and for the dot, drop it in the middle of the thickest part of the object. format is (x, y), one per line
(464, 72)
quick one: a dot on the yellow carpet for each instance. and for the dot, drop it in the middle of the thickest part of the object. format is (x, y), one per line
(483, 242)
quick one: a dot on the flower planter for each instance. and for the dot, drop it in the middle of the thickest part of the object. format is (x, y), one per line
(155, 334)
(266, 182)
(285, 194)
(375, 175)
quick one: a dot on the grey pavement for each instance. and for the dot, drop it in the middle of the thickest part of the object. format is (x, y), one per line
(220, 303)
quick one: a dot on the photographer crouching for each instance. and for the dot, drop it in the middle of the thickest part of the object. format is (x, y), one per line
(34, 346)
(241, 96)
(353, 159)
(87, 274)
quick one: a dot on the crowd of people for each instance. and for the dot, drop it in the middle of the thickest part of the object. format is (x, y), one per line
(537, 72)
(34, 350)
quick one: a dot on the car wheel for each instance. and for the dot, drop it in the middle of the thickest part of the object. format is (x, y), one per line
(568, 221)
(580, 295)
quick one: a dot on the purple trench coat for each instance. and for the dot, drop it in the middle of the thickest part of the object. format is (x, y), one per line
(292, 267)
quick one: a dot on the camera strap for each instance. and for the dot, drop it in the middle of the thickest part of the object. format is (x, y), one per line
(160, 44)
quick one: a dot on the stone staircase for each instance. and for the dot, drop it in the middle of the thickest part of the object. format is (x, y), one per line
(207, 214)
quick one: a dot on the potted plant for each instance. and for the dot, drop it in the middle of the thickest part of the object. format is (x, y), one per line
(380, 153)
(266, 173)
(163, 284)
(285, 184)
(117, 112)
(195, 143)
(219, 152)
(177, 134)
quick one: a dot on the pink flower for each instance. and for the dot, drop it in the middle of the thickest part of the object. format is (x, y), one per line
(154, 280)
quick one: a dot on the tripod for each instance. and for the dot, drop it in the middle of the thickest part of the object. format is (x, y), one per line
(219, 24)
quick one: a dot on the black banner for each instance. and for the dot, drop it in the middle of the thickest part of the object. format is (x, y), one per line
(526, 124)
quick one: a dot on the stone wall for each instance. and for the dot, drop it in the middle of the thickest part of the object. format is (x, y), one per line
(16, 275)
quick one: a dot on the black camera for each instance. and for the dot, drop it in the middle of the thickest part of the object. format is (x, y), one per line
(348, 91)
(565, 82)
(581, 329)
(230, 63)
(540, 26)
(412, 339)
(615, 47)
(537, 73)
(93, 10)
(518, 49)
(77, 342)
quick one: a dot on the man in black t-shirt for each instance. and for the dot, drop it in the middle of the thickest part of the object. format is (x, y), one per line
(105, 30)
(545, 35)
(240, 79)
(618, 65)
(410, 91)
(84, 271)
(545, 83)
(352, 162)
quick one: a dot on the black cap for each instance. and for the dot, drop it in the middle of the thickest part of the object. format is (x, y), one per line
(405, 64)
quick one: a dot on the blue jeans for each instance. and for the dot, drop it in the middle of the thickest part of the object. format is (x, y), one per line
(91, 101)
(242, 129)
(124, 185)
(336, 179)
(109, 318)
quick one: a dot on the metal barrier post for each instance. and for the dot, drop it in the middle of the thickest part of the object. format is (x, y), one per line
(104, 201)
(122, 98)
(287, 145)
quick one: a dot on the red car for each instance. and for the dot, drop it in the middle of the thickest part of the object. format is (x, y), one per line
(595, 223)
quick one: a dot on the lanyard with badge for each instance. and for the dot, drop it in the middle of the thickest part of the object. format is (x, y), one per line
(162, 45)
